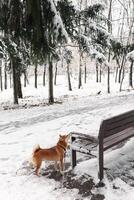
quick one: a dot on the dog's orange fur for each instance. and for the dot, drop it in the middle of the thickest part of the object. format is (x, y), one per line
(55, 153)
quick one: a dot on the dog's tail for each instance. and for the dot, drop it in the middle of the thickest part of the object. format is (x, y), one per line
(32, 160)
(36, 148)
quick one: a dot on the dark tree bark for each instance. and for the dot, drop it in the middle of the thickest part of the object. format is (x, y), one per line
(131, 74)
(50, 74)
(122, 78)
(100, 73)
(1, 81)
(79, 78)
(97, 73)
(10, 77)
(119, 78)
(108, 79)
(122, 71)
(15, 92)
(25, 79)
(5, 74)
(69, 79)
(55, 76)
(79, 75)
(35, 75)
(110, 31)
(121, 68)
(44, 76)
(19, 88)
(108, 74)
(62, 61)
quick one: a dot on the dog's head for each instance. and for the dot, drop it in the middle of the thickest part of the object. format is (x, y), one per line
(64, 138)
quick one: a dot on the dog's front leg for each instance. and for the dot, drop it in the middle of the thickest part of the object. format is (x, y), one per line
(61, 165)
(55, 166)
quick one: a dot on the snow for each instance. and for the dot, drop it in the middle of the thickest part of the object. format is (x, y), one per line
(75, 5)
(58, 24)
(82, 111)
(130, 56)
(116, 161)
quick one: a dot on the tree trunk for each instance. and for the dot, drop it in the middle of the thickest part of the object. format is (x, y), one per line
(1, 82)
(121, 82)
(69, 79)
(19, 88)
(50, 74)
(100, 74)
(119, 78)
(79, 75)
(35, 74)
(44, 76)
(108, 75)
(109, 17)
(25, 79)
(55, 76)
(110, 31)
(97, 73)
(5, 73)
(131, 75)
(116, 74)
(85, 72)
(121, 67)
(108, 79)
(10, 77)
(15, 92)
(79, 78)
(62, 61)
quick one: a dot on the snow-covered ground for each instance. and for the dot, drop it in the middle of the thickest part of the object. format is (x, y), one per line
(81, 110)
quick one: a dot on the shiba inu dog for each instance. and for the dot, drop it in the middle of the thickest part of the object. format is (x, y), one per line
(55, 153)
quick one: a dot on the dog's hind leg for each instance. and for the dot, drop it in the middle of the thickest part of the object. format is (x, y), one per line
(37, 168)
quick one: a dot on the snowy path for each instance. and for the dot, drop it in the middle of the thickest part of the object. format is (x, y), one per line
(21, 129)
(85, 107)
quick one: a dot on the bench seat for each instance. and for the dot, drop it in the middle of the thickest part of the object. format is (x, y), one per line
(83, 146)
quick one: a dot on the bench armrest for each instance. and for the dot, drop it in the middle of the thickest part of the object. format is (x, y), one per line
(84, 137)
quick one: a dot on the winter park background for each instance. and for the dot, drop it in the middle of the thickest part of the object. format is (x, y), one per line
(65, 65)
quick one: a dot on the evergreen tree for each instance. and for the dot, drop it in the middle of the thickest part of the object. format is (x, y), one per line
(38, 24)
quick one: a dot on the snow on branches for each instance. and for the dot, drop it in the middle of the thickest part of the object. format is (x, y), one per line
(130, 56)
(59, 29)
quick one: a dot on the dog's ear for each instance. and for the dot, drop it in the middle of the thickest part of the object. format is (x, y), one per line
(60, 135)
(68, 135)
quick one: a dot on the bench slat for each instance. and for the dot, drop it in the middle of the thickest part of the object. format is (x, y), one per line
(118, 139)
(120, 117)
(107, 133)
(80, 149)
(123, 123)
(119, 134)
(119, 123)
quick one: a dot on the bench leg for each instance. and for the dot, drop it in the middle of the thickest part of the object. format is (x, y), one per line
(73, 158)
(101, 162)
(73, 154)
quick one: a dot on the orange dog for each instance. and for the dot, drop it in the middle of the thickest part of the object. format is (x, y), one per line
(55, 153)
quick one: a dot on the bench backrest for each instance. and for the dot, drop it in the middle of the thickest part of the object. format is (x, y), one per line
(117, 124)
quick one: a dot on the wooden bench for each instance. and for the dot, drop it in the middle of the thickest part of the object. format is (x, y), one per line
(112, 132)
